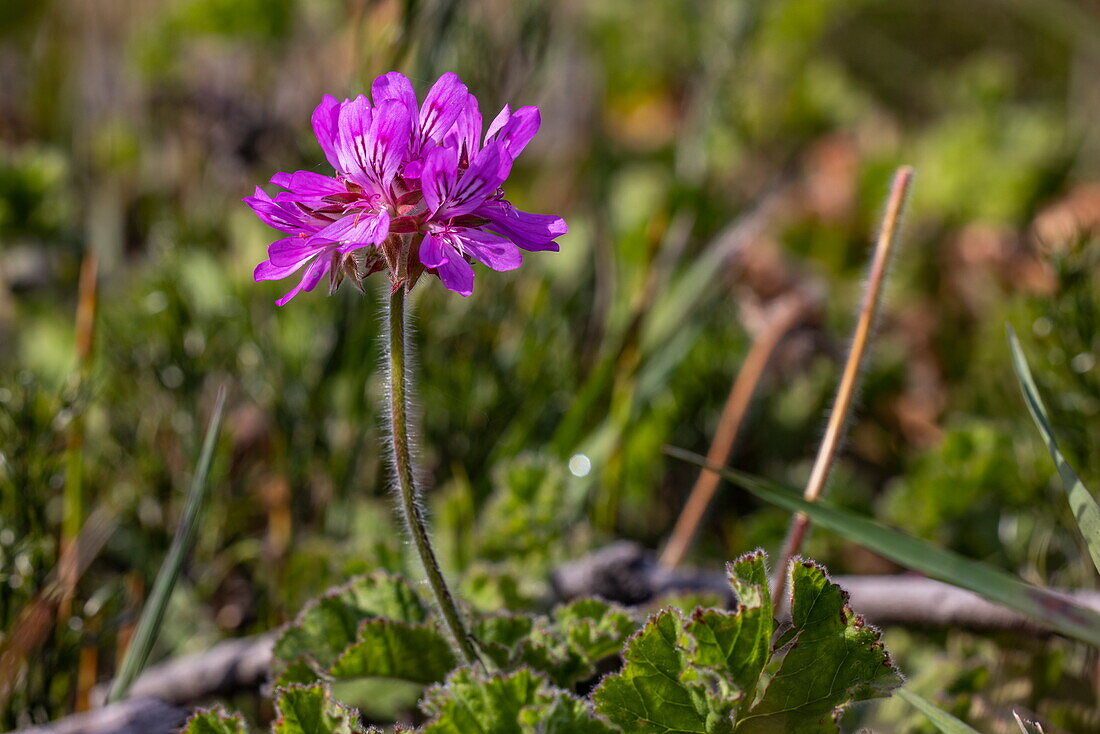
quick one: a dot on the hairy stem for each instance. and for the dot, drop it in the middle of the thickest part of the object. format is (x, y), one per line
(838, 416)
(406, 479)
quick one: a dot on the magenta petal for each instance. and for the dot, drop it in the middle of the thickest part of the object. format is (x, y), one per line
(486, 173)
(267, 270)
(308, 183)
(457, 275)
(441, 107)
(466, 133)
(388, 141)
(395, 85)
(438, 176)
(306, 187)
(498, 122)
(325, 127)
(352, 148)
(359, 229)
(370, 229)
(517, 132)
(434, 252)
(490, 249)
(310, 279)
(284, 217)
(529, 231)
(290, 250)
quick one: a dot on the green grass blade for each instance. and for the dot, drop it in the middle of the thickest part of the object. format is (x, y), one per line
(1081, 501)
(1052, 610)
(153, 612)
(942, 720)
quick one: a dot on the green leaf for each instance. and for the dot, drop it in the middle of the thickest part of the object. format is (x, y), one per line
(563, 715)
(1050, 609)
(657, 691)
(215, 721)
(328, 625)
(1081, 501)
(593, 628)
(834, 659)
(302, 670)
(471, 702)
(738, 645)
(500, 636)
(942, 720)
(312, 710)
(566, 646)
(512, 641)
(386, 648)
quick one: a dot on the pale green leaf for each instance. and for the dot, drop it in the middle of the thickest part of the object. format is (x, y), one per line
(326, 626)
(215, 721)
(312, 710)
(499, 636)
(1081, 501)
(473, 702)
(563, 715)
(566, 646)
(593, 628)
(386, 648)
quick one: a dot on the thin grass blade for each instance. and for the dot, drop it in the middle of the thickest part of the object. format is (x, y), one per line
(1081, 502)
(1054, 611)
(942, 720)
(153, 612)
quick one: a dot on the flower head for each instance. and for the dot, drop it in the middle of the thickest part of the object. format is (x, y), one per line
(416, 189)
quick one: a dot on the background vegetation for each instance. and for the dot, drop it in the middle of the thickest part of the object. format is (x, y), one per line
(132, 129)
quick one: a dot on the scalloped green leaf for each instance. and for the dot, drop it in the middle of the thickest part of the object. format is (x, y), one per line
(833, 660)
(385, 648)
(301, 670)
(564, 715)
(658, 691)
(326, 626)
(215, 721)
(593, 628)
(738, 645)
(313, 710)
(565, 647)
(473, 702)
(500, 636)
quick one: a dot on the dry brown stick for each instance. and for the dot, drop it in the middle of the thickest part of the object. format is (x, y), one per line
(846, 391)
(783, 317)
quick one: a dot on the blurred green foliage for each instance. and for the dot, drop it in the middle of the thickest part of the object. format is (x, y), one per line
(133, 129)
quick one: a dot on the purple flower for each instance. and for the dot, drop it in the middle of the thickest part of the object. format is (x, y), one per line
(416, 190)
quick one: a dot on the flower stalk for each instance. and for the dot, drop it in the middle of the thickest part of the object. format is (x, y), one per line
(411, 511)
(849, 380)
